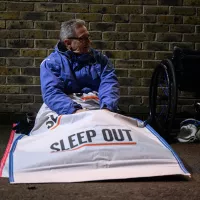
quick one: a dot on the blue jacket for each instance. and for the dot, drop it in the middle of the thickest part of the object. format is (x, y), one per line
(64, 72)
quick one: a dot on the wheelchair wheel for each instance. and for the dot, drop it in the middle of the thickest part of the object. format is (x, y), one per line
(163, 98)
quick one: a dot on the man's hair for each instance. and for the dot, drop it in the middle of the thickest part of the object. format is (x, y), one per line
(68, 28)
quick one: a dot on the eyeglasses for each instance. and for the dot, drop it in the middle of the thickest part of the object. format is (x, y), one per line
(80, 39)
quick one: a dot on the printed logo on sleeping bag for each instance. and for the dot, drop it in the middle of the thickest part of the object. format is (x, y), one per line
(101, 137)
(53, 121)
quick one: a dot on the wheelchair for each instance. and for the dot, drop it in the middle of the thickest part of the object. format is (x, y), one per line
(180, 72)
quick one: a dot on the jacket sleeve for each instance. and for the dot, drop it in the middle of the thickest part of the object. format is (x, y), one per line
(52, 87)
(109, 86)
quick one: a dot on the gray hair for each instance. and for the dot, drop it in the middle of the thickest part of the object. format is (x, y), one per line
(68, 28)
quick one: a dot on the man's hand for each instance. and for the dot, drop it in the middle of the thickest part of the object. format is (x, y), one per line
(106, 109)
(80, 110)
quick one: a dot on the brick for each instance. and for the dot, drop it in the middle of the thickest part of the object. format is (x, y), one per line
(156, 10)
(123, 91)
(53, 34)
(103, 9)
(145, 82)
(2, 24)
(163, 55)
(47, 25)
(129, 27)
(143, 91)
(138, 109)
(10, 108)
(129, 82)
(142, 55)
(21, 62)
(103, 45)
(19, 24)
(42, 7)
(19, 6)
(128, 45)
(9, 71)
(129, 9)
(33, 34)
(6, 34)
(191, 38)
(33, 16)
(30, 90)
(112, 36)
(38, 61)
(2, 61)
(9, 52)
(35, 0)
(92, 17)
(2, 97)
(36, 80)
(121, 73)
(38, 99)
(20, 43)
(45, 43)
(9, 15)
(62, 1)
(182, 11)
(33, 52)
(155, 28)
(188, 45)
(140, 73)
(95, 26)
(142, 36)
(142, 18)
(19, 98)
(32, 71)
(182, 28)
(2, 80)
(150, 64)
(115, 18)
(19, 80)
(191, 20)
(130, 100)
(191, 3)
(156, 46)
(118, 2)
(170, 2)
(165, 19)
(169, 37)
(117, 54)
(96, 35)
(90, 1)
(9, 89)
(3, 6)
(75, 8)
(128, 64)
(143, 2)
(2, 43)
(59, 16)
(34, 107)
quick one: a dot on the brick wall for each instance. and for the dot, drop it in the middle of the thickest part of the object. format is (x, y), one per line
(135, 34)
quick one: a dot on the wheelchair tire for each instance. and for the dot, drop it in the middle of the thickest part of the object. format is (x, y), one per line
(163, 98)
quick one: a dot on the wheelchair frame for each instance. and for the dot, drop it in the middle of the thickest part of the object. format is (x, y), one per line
(177, 73)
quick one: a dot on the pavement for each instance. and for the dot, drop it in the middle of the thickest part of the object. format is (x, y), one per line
(171, 187)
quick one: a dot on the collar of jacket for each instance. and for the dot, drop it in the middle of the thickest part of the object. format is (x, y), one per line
(80, 59)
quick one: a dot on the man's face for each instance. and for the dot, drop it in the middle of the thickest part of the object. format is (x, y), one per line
(80, 43)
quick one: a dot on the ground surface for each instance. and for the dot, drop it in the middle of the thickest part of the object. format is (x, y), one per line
(157, 188)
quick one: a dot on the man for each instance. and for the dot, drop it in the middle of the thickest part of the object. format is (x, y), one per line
(74, 67)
